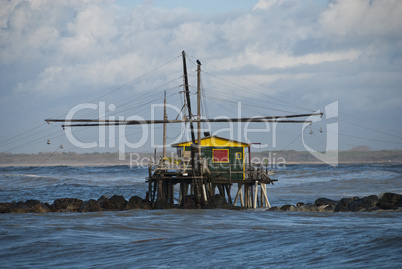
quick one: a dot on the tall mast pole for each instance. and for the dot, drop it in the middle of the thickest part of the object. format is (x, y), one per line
(189, 110)
(200, 186)
(188, 95)
(164, 127)
(195, 181)
(199, 107)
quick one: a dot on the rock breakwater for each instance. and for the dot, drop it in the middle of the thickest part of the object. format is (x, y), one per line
(388, 201)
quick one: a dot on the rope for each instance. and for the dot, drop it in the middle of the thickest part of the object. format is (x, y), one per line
(51, 154)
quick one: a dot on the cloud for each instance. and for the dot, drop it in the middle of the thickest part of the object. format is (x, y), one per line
(272, 59)
(267, 4)
(362, 20)
(315, 52)
(89, 41)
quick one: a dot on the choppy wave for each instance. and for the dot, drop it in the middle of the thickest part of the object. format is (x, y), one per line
(200, 238)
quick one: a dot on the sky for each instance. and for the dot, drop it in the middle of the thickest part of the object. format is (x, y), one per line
(276, 57)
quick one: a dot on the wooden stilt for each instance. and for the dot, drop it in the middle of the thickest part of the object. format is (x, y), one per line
(186, 186)
(192, 187)
(204, 193)
(160, 189)
(264, 190)
(241, 196)
(212, 190)
(171, 192)
(238, 193)
(261, 200)
(155, 186)
(255, 194)
(221, 191)
(150, 182)
(246, 195)
(181, 192)
(227, 187)
(250, 193)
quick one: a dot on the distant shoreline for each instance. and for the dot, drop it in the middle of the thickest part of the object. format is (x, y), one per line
(127, 164)
(289, 157)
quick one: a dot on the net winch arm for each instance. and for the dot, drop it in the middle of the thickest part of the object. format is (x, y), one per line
(98, 122)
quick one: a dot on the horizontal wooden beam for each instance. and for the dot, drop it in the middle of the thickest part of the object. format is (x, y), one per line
(98, 122)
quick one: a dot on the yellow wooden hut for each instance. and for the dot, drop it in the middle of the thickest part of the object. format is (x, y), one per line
(225, 157)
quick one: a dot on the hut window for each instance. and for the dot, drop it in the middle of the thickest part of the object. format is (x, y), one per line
(220, 155)
(238, 155)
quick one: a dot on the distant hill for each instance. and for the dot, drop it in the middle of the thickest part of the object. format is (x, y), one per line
(355, 155)
(360, 148)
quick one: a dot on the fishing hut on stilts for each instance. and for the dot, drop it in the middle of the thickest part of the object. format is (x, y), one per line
(205, 166)
(219, 164)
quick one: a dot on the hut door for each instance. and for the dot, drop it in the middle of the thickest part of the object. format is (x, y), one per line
(220, 155)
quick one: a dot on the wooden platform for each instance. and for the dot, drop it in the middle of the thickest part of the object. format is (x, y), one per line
(251, 192)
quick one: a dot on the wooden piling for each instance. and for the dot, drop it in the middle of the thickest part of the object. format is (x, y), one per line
(227, 187)
(238, 194)
(255, 194)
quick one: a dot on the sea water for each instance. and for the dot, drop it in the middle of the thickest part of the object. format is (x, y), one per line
(213, 238)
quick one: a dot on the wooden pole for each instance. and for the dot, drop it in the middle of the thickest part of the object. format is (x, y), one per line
(149, 182)
(228, 187)
(238, 193)
(164, 127)
(186, 85)
(241, 195)
(204, 192)
(99, 122)
(200, 180)
(195, 188)
(181, 193)
(264, 190)
(246, 195)
(255, 195)
(160, 190)
(250, 194)
(199, 111)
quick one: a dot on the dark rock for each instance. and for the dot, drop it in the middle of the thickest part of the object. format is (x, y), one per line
(102, 199)
(31, 206)
(326, 208)
(288, 208)
(137, 202)
(372, 209)
(116, 202)
(324, 201)
(5, 207)
(372, 200)
(307, 208)
(364, 203)
(390, 201)
(274, 208)
(40, 208)
(299, 204)
(19, 207)
(31, 203)
(188, 202)
(162, 205)
(343, 204)
(51, 207)
(216, 201)
(90, 206)
(68, 204)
